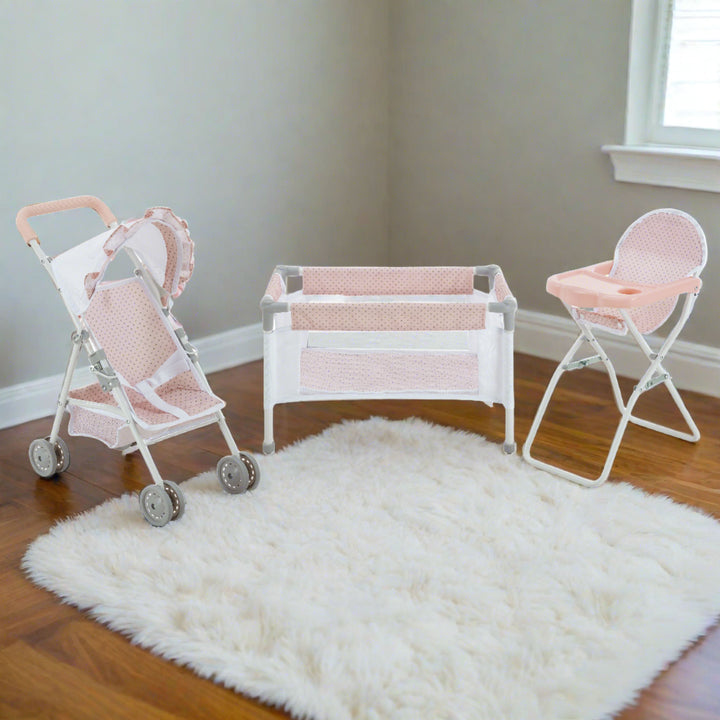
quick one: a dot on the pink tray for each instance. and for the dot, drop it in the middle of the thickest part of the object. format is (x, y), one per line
(591, 287)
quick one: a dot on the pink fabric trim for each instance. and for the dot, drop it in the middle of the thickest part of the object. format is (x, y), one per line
(501, 287)
(328, 371)
(275, 287)
(178, 243)
(388, 316)
(388, 280)
(172, 255)
(90, 283)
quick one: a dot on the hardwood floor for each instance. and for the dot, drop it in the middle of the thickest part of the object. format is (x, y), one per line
(57, 663)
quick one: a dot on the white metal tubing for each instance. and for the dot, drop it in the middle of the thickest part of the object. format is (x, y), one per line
(226, 433)
(694, 434)
(559, 370)
(46, 262)
(122, 401)
(625, 409)
(509, 446)
(268, 384)
(65, 389)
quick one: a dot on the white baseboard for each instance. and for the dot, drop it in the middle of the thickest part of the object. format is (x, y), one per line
(692, 366)
(37, 398)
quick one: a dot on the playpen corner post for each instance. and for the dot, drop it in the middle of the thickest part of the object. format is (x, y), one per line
(510, 446)
(268, 308)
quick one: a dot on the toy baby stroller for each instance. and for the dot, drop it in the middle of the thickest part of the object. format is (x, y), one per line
(150, 385)
(658, 259)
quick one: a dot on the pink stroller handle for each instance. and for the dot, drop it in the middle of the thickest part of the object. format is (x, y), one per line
(53, 206)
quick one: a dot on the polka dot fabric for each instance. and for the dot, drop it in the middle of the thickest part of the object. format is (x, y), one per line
(388, 280)
(660, 247)
(388, 316)
(275, 287)
(501, 287)
(324, 371)
(128, 328)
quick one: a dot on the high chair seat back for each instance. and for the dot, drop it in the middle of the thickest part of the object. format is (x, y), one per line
(658, 248)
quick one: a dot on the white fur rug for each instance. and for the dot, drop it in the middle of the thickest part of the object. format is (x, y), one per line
(398, 570)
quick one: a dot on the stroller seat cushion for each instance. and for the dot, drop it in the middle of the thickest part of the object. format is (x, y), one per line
(181, 392)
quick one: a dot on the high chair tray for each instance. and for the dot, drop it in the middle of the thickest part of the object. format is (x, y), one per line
(592, 287)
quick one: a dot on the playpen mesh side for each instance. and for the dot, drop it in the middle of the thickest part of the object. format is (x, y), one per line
(377, 316)
(658, 248)
(388, 280)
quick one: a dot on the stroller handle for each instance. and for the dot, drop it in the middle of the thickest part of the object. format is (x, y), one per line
(53, 206)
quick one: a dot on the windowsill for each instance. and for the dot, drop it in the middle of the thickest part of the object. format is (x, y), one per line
(680, 167)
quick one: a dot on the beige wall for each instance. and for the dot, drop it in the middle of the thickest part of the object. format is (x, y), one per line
(263, 122)
(320, 131)
(498, 112)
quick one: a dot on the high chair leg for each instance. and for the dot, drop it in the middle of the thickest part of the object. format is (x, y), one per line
(654, 375)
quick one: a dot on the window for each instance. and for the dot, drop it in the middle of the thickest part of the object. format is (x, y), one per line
(672, 133)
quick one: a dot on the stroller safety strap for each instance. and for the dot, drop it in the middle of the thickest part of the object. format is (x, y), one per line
(172, 367)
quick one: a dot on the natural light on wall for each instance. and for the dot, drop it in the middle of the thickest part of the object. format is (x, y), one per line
(692, 85)
(672, 121)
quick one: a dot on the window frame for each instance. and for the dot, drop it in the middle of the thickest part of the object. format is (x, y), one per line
(653, 153)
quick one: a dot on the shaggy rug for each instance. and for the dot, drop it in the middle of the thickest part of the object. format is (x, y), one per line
(399, 570)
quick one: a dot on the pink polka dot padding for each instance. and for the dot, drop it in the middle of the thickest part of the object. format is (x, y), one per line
(388, 316)
(331, 372)
(387, 280)
(660, 247)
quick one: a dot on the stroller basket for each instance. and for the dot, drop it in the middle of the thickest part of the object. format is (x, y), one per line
(150, 385)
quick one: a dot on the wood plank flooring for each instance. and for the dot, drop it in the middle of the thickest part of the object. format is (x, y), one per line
(57, 663)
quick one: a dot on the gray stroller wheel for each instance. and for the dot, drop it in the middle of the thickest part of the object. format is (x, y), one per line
(43, 457)
(233, 474)
(156, 505)
(176, 498)
(253, 469)
(63, 454)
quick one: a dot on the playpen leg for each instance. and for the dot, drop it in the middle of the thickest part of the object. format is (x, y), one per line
(509, 446)
(269, 441)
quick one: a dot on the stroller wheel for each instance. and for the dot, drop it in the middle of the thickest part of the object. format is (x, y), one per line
(253, 469)
(157, 508)
(233, 474)
(176, 498)
(43, 457)
(63, 454)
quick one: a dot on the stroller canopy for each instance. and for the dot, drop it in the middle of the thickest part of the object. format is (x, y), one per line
(160, 240)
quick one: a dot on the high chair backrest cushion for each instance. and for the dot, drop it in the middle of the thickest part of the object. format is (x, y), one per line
(660, 247)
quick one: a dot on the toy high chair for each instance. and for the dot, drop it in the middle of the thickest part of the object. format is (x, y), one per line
(658, 259)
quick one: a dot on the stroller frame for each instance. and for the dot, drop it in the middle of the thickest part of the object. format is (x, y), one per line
(163, 500)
